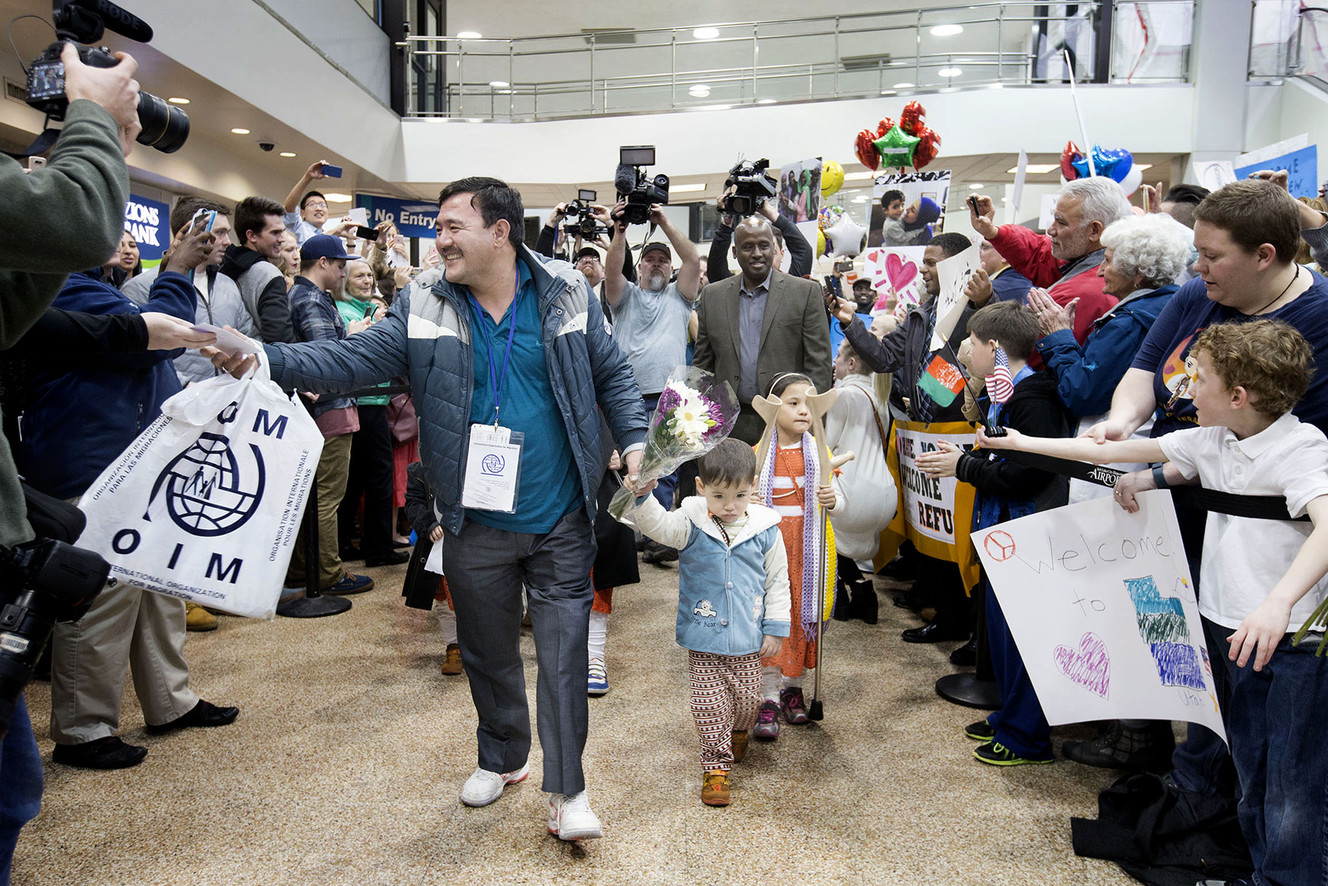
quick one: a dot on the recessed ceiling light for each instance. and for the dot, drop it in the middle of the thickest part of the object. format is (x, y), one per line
(887, 92)
(860, 199)
(499, 84)
(474, 119)
(287, 154)
(176, 100)
(1005, 199)
(976, 186)
(337, 198)
(705, 33)
(469, 35)
(713, 108)
(765, 101)
(902, 86)
(858, 176)
(949, 72)
(1035, 168)
(700, 90)
(686, 189)
(239, 131)
(947, 30)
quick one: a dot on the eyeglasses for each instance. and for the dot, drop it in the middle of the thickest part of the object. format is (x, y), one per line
(315, 204)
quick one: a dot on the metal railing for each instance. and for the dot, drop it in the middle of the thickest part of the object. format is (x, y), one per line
(599, 72)
(1288, 39)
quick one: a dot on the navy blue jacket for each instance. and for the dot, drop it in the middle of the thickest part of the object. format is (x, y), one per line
(82, 419)
(1087, 375)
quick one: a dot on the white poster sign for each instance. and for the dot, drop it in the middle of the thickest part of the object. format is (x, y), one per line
(1214, 174)
(929, 502)
(953, 274)
(895, 273)
(1102, 608)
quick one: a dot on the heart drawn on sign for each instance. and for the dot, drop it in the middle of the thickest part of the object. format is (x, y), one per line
(899, 271)
(1089, 665)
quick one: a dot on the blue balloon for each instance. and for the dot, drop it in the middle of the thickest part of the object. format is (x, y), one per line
(1114, 163)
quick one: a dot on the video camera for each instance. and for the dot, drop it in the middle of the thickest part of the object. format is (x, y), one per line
(752, 187)
(83, 22)
(631, 183)
(580, 219)
(55, 582)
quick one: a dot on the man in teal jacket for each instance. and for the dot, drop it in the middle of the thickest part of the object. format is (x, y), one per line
(510, 361)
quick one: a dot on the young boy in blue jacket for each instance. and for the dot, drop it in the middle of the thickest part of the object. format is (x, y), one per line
(733, 600)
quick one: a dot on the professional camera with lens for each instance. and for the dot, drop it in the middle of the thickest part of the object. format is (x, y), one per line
(41, 582)
(581, 218)
(82, 22)
(752, 187)
(632, 184)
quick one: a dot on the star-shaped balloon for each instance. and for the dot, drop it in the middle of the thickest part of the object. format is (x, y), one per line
(845, 236)
(896, 148)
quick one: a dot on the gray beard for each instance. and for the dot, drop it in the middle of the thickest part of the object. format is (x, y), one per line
(655, 283)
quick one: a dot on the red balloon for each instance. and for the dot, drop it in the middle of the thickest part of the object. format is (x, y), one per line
(866, 151)
(927, 148)
(914, 119)
(884, 126)
(1070, 153)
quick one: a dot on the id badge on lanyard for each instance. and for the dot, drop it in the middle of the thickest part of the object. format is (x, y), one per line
(493, 457)
(493, 467)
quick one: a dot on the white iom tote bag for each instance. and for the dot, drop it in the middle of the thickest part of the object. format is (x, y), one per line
(205, 505)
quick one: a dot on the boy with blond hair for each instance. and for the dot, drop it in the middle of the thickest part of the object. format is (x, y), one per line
(1261, 579)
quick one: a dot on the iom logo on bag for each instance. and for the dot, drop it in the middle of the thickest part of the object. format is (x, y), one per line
(208, 491)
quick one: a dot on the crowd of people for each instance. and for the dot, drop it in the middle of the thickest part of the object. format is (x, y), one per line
(1179, 339)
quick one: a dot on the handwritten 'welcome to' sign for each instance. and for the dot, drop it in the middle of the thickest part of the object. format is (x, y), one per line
(1102, 608)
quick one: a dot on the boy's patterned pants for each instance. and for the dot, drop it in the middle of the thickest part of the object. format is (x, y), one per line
(726, 692)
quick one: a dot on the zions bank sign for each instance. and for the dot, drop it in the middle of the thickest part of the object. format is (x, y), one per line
(148, 222)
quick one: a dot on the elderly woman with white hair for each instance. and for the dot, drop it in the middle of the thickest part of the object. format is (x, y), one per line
(1144, 256)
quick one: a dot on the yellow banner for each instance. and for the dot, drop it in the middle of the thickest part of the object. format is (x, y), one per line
(935, 513)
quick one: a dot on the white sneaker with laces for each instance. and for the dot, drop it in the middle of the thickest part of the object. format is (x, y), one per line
(483, 786)
(570, 817)
(597, 682)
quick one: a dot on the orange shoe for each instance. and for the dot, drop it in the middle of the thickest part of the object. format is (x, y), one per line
(715, 788)
(452, 663)
(741, 739)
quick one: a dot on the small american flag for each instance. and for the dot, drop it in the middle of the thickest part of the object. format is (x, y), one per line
(1000, 385)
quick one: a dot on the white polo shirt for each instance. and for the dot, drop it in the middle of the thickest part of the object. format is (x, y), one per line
(1244, 557)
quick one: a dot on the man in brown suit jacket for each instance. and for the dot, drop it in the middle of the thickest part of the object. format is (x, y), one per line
(760, 323)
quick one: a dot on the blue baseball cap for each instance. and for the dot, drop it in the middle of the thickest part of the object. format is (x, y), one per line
(324, 246)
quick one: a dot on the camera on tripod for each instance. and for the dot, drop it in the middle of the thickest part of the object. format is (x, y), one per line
(83, 22)
(580, 217)
(54, 582)
(632, 184)
(752, 187)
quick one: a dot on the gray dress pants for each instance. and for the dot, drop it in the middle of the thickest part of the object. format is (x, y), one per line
(486, 569)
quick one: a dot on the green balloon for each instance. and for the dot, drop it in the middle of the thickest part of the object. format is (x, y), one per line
(896, 148)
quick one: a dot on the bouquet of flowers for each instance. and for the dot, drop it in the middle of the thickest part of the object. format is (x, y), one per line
(694, 413)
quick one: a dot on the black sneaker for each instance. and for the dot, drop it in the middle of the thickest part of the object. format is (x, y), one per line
(390, 558)
(980, 731)
(965, 656)
(993, 753)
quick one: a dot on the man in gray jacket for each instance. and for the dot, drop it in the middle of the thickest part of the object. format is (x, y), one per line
(510, 361)
(259, 228)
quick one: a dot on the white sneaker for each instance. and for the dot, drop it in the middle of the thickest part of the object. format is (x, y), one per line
(570, 817)
(483, 787)
(597, 683)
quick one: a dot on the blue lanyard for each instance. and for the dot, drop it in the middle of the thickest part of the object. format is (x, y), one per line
(495, 380)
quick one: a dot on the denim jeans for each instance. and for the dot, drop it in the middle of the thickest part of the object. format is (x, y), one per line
(20, 784)
(1020, 724)
(1202, 764)
(1273, 719)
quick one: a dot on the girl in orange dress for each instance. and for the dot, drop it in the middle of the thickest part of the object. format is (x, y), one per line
(791, 464)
